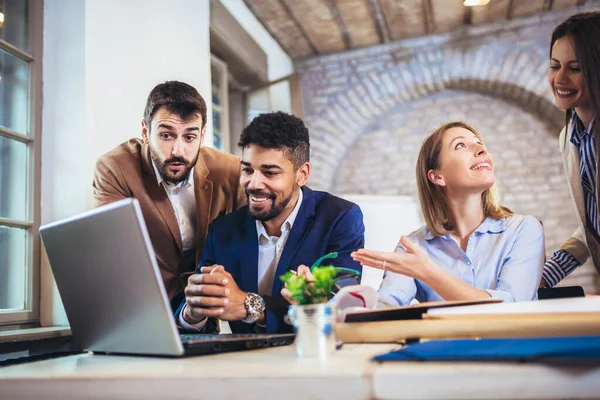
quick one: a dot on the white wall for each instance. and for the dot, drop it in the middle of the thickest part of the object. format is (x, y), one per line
(101, 59)
(386, 218)
(130, 47)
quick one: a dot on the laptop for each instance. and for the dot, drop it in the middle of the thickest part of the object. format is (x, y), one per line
(110, 284)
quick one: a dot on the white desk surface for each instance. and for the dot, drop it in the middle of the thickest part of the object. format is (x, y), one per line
(278, 374)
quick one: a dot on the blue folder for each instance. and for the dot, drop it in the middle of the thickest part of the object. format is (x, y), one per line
(514, 349)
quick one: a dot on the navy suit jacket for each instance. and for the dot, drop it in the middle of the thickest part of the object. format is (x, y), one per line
(324, 224)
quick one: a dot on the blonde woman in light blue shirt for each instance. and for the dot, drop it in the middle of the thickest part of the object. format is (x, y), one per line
(470, 248)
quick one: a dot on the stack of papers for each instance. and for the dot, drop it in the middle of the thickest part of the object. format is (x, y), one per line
(568, 317)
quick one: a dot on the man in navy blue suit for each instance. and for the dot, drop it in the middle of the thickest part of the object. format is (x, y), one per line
(284, 225)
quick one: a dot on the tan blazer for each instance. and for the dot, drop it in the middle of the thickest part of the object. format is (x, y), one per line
(127, 171)
(583, 242)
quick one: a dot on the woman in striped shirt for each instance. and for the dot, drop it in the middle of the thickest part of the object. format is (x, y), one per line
(575, 80)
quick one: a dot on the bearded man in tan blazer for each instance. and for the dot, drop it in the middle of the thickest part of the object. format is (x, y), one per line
(181, 185)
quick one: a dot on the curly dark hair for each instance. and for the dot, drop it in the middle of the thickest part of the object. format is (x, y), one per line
(179, 98)
(279, 130)
(582, 28)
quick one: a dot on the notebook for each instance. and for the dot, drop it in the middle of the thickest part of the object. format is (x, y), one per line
(110, 284)
(414, 311)
(511, 349)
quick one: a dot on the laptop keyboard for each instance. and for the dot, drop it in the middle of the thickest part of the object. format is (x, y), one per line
(188, 337)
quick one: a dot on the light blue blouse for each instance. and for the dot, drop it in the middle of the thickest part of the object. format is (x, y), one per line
(504, 257)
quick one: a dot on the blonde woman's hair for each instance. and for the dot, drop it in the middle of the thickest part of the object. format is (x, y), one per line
(434, 204)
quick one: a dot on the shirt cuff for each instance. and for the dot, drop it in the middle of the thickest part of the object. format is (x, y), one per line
(558, 267)
(183, 324)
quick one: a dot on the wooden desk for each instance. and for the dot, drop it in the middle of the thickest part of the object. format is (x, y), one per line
(278, 374)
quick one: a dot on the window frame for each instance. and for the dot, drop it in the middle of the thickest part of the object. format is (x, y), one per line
(31, 313)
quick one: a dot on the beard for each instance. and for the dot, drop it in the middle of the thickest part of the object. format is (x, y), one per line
(274, 210)
(167, 175)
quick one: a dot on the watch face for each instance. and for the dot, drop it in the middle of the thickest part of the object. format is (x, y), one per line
(255, 305)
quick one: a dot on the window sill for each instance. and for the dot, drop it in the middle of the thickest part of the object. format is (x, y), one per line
(34, 333)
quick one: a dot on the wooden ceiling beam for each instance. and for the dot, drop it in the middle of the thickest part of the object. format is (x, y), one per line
(548, 5)
(509, 9)
(468, 16)
(260, 19)
(580, 2)
(286, 5)
(377, 15)
(340, 23)
(428, 19)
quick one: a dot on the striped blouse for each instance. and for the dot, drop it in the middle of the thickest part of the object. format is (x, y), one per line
(562, 263)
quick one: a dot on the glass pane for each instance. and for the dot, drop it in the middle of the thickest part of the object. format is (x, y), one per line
(13, 267)
(13, 179)
(14, 23)
(14, 93)
(258, 102)
(281, 98)
(215, 94)
(217, 130)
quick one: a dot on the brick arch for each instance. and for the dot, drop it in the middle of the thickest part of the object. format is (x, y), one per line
(331, 146)
(540, 107)
(344, 95)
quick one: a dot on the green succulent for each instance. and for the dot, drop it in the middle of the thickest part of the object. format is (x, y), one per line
(311, 292)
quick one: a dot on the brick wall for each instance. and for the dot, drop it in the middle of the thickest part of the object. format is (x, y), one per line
(369, 110)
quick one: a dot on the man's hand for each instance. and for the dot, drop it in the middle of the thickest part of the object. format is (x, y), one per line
(304, 271)
(213, 293)
(205, 296)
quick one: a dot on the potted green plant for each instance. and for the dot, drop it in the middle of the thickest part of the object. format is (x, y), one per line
(313, 318)
(306, 290)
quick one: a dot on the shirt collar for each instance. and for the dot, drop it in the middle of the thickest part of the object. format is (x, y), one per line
(578, 132)
(287, 224)
(488, 225)
(187, 183)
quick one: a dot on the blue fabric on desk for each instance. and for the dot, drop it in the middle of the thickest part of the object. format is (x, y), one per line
(519, 349)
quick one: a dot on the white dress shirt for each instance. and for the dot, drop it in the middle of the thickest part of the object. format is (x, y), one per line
(183, 201)
(269, 253)
(270, 249)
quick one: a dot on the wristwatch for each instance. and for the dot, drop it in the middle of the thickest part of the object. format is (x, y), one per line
(255, 306)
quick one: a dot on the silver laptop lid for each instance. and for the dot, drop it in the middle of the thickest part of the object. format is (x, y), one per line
(109, 281)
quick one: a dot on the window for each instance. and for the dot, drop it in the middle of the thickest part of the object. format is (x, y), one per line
(20, 106)
(282, 94)
(220, 103)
